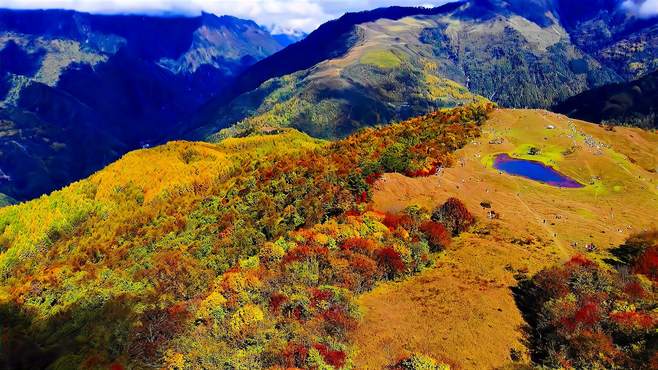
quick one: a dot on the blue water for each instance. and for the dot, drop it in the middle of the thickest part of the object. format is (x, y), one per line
(534, 170)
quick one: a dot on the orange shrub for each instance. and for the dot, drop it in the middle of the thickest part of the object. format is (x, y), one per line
(390, 261)
(393, 221)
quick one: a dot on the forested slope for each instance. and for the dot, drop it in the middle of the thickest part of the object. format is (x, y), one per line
(242, 254)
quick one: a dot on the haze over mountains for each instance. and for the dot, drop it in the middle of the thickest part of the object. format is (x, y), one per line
(70, 79)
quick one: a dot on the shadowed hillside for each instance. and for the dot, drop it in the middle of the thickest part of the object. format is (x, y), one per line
(628, 104)
(68, 79)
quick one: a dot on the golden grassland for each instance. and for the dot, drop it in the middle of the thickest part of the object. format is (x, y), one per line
(464, 311)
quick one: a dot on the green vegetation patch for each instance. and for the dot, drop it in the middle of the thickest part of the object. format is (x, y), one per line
(547, 154)
(384, 59)
(6, 200)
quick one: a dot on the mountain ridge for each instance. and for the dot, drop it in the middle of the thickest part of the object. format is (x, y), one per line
(633, 103)
(486, 47)
(113, 78)
(252, 79)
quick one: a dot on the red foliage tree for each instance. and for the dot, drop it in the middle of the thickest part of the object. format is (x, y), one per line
(437, 234)
(635, 290)
(320, 295)
(295, 355)
(454, 215)
(276, 300)
(372, 178)
(394, 221)
(588, 314)
(390, 261)
(358, 245)
(647, 263)
(338, 321)
(365, 267)
(595, 347)
(633, 319)
(157, 326)
(305, 252)
(334, 358)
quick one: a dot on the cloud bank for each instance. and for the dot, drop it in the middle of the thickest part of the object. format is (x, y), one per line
(643, 8)
(279, 15)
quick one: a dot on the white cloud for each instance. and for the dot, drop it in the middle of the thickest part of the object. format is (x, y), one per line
(643, 8)
(278, 14)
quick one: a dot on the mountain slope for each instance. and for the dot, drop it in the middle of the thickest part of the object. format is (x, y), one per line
(390, 64)
(633, 103)
(332, 39)
(262, 252)
(180, 252)
(6, 201)
(626, 43)
(114, 81)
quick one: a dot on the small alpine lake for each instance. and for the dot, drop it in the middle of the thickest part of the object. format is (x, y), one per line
(534, 170)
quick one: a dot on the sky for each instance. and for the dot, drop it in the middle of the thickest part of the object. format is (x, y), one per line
(644, 8)
(278, 15)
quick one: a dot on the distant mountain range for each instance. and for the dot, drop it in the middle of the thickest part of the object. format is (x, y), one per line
(632, 103)
(79, 90)
(394, 63)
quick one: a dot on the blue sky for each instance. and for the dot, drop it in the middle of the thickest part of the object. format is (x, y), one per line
(280, 15)
(283, 15)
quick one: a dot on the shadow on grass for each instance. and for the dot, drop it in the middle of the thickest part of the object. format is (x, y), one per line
(527, 298)
(66, 339)
(626, 254)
